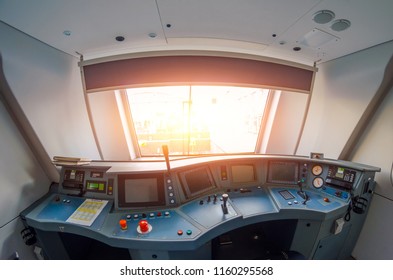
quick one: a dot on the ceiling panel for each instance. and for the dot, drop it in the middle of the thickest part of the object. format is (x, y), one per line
(94, 24)
(371, 24)
(260, 27)
(250, 21)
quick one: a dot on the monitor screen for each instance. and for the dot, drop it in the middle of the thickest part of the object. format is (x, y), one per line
(243, 173)
(283, 172)
(95, 186)
(196, 181)
(140, 190)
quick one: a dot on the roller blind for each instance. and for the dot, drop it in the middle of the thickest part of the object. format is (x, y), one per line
(195, 69)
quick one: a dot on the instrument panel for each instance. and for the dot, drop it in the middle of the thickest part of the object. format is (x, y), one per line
(195, 201)
(159, 189)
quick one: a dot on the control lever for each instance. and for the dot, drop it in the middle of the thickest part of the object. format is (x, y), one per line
(224, 203)
(302, 193)
(165, 151)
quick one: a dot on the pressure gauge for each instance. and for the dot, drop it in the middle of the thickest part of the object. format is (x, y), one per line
(317, 182)
(317, 170)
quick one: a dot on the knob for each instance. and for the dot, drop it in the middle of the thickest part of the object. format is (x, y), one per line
(123, 224)
(143, 226)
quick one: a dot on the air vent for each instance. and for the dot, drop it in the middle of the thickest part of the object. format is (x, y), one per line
(323, 16)
(340, 25)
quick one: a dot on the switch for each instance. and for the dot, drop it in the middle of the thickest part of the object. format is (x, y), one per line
(123, 224)
(224, 204)
(143, 226)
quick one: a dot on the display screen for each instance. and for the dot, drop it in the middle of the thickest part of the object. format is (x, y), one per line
(243, 173)
(140, 190)
(341, 177)
(196, 181)
(340, 173)
(95, 186)
(73, 179)
(283, 172)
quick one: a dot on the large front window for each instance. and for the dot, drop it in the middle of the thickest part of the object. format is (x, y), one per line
(194, 120)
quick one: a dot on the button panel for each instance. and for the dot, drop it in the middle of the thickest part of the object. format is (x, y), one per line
(170, 190)
(155, 223)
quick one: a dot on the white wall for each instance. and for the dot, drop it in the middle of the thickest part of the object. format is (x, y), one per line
(22, 182)
(376, 148)
(108, 126)
(342, 91)
(47, 84)
(288, 119)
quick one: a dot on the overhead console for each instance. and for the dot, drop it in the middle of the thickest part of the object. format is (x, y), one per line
(198, 206)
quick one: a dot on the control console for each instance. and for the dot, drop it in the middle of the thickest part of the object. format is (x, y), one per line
(185, 207)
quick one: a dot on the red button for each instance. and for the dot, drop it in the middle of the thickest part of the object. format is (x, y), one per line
(179, 232)
(123, 224)
(326, 199)
(144, 226)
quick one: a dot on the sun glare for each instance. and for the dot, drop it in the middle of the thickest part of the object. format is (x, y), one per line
(194, 120)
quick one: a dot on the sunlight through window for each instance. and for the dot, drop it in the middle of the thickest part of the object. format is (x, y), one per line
(195, 120)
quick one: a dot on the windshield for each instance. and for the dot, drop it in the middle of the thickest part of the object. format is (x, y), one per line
(195, 120)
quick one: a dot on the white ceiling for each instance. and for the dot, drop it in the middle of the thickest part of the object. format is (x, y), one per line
(245, 26)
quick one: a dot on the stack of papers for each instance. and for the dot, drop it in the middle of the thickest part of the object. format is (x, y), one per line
(60, 160)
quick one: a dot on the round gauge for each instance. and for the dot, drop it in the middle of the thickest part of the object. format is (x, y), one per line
(317, 170)
(317, 182)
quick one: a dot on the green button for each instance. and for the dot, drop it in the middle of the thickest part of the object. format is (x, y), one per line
(189, 232)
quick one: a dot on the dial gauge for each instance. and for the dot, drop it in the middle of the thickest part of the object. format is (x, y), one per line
(317, 170)
(317, 182)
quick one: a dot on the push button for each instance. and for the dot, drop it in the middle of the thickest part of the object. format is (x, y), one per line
(144, 226)
(123, 224)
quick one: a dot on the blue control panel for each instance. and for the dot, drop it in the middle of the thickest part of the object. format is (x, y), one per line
(188, 208)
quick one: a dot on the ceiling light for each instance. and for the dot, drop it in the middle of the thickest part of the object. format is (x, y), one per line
(323, 16)
(152, 35)
(67, 33)
(340, 25)
(119, 38)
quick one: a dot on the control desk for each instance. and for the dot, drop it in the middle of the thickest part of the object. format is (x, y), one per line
(218, 207)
